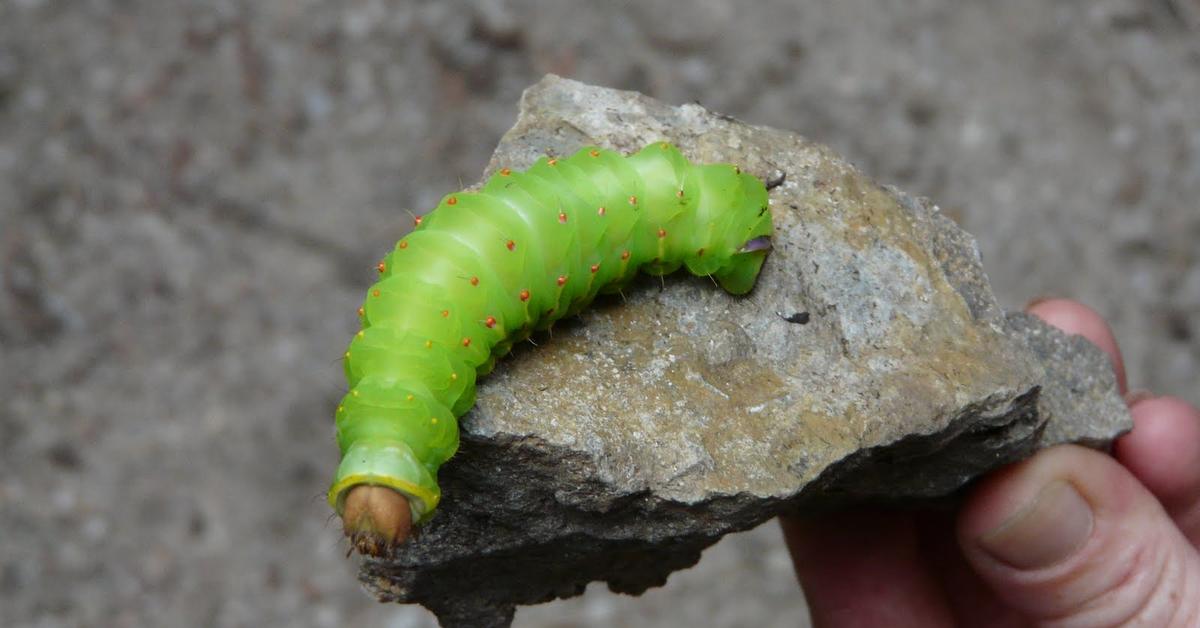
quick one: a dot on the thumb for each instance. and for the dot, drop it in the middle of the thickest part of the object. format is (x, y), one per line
(1070, 538)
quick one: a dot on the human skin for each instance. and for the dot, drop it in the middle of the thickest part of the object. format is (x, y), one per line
(1071, 537)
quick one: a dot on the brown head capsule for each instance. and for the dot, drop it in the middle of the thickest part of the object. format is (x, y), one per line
(376, 518)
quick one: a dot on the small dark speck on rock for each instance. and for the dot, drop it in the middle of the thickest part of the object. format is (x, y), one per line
(799, 318)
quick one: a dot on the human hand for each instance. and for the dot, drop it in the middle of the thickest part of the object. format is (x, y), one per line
(1070, 537)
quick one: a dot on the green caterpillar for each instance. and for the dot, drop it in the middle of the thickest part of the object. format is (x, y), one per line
(485, 269)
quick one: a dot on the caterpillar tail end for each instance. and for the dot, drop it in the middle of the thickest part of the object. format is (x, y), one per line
(377, 519)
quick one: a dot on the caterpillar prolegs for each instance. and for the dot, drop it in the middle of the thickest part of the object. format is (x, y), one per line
(485, 269)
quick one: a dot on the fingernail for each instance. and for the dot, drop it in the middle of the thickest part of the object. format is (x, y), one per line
(1134, 396)
(1043, 532)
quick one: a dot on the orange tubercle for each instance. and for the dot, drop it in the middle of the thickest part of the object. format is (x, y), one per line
(524, 296)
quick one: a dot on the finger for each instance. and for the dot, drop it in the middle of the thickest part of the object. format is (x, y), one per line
(1163, 452)
(1071, 537)
(1076, 318)
(970, 599)
(861, 568)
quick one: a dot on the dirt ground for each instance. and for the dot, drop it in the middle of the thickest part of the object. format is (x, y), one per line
(193, 195)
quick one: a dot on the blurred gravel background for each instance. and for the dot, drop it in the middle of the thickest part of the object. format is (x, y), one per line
(192, 196)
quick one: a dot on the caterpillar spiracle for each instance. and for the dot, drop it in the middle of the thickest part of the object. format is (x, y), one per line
(484, 270)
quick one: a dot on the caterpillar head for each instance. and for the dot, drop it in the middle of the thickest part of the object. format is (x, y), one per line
(376, 518)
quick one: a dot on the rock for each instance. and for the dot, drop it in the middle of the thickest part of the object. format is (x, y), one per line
(871, 363)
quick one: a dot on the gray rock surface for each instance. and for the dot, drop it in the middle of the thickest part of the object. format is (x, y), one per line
(651, 428)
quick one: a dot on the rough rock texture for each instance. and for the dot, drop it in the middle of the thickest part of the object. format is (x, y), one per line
(871, 363)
